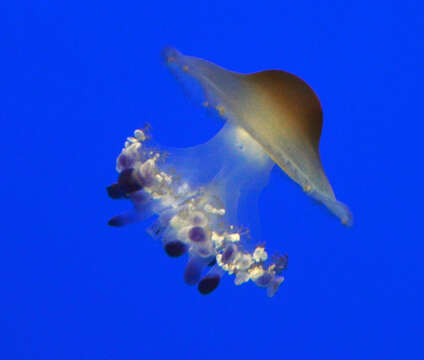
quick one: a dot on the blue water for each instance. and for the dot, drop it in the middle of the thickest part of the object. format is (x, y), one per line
(78, 77)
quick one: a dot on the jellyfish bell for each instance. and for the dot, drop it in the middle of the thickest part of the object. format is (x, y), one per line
(276, 109)
(203, 195)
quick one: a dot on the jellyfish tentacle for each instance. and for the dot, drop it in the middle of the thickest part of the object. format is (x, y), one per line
(198, 217)
(211, 280)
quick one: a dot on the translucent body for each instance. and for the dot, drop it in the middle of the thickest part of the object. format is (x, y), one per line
(277, 109)
(201, 194)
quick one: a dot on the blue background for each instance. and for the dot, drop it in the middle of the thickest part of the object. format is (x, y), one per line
(78, 77)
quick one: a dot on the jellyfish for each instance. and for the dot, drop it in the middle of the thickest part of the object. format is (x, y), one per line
(199, 195)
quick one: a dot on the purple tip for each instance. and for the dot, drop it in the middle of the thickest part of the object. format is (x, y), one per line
(197, 234)
(175, 248)
(208, 284)
(128, 182)
(227, 256)
(124, 219)
(115, 191)
(117, 221)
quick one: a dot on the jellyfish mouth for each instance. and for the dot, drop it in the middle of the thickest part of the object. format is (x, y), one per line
(196, 219)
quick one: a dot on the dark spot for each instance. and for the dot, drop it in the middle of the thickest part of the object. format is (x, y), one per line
(197, 234)
(208, 284)
(117, 221)
(175, 248)
(213, 262)
(128, 182)
(115, 191)
(228, 254)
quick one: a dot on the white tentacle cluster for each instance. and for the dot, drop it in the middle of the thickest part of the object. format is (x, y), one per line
(191, 220)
